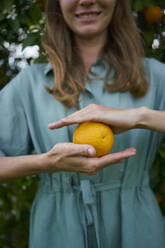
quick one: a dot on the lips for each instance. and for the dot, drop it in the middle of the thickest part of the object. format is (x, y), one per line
(88, 14)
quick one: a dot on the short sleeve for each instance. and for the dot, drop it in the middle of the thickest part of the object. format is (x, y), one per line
(158, 79)
(14, 134)
(156, 71)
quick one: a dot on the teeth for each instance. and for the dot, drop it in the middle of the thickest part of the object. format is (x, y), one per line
(88, 15)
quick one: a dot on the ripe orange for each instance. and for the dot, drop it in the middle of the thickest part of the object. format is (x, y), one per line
(158, 197)
(143, 10)
(41, 4)
(99, 135)
(153, 15)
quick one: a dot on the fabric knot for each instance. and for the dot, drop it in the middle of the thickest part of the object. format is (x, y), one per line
(88, 191)
(88, 197)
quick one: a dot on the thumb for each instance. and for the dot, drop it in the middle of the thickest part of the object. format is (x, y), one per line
(91, 151)
(84, 150)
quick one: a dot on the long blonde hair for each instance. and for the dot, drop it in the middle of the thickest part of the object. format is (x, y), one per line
(124, 50)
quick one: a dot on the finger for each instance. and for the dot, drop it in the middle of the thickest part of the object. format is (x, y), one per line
(57, 124)
(119, 161)
(119, 155)
(96, 169)
(63, 122)
(113, 158)
(69, 120)
(80, 116)
(81, 150)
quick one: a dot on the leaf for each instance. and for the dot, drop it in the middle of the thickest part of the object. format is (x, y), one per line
(149, 36)
(137, 5)
(5, 5)
(32, 39)
(140, 4)
(14, 25)
(34, 14)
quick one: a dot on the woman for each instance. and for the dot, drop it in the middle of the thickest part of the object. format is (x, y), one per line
(97, 67)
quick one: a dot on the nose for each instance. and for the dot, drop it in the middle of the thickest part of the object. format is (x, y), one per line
(87, 2)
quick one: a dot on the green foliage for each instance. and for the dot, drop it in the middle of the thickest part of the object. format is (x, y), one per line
(22, 22)
(15, 203)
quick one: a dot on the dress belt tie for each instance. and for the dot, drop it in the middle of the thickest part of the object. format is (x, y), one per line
(89, 197)
(88, 191)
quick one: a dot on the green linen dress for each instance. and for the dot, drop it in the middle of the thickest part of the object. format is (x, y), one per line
(115, 208)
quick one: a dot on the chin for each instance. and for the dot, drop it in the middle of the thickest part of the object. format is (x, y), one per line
(88, 34)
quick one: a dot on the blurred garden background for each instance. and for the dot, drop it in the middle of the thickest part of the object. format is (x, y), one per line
(21, 30)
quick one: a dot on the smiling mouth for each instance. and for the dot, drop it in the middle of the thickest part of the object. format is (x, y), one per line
(88, 15)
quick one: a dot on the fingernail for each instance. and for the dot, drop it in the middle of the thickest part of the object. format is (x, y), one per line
(50, 125)
(91, 152)
(133, 150)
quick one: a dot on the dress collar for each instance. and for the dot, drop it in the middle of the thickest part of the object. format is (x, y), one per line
(48, 68)
(97, 67)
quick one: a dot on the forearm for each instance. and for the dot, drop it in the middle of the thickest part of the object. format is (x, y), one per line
(20, 166)
(151, 119)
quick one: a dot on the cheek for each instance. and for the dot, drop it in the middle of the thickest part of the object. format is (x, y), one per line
(108, 16)
(109, 5)
(67, 8)
(110, 11)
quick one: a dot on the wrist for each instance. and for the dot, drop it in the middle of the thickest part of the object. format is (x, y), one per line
(48, 162)
(39, 162)
(143, 117)
(43, 163)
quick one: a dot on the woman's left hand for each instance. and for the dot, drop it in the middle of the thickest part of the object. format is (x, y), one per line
(120, 120)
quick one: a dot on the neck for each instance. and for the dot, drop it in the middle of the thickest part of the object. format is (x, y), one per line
(90, 49)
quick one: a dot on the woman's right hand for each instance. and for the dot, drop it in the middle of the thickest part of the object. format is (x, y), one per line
(79, 158)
